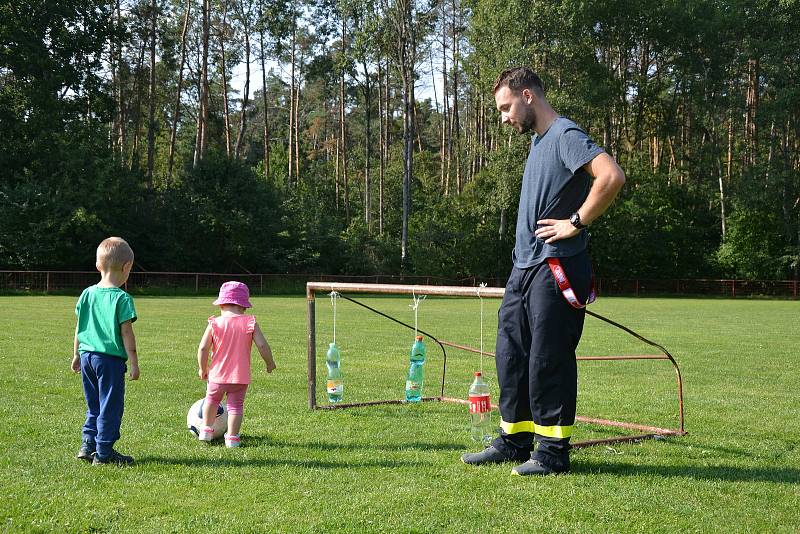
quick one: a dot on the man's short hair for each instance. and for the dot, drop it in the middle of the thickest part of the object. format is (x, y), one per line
(519, 78)
(113, 253)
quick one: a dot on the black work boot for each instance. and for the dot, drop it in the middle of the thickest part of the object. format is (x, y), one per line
(534, 468)
(489, 455)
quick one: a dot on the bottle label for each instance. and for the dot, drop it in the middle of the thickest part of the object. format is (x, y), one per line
(412, 386)
(479, 404)
(335, 387)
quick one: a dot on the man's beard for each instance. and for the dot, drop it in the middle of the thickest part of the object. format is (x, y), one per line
(527, 123)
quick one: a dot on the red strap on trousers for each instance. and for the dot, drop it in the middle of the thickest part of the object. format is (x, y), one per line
(566, 289)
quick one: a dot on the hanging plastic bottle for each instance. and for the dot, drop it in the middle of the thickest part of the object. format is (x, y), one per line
(335, 383)
(416, 374)
(480, 410)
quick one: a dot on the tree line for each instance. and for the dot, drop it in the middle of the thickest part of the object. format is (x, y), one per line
(290, 135)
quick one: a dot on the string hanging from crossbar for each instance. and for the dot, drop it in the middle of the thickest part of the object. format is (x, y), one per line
(415, 307)
(334, 295)
(478, 290)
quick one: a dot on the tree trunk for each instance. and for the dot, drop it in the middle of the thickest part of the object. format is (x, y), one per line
(297, 85)
(115, 81)
(750, 128)
(445, 149)
(225, 106)
(246, 90)
(137, 88)
(201, 142)
(343, 130)
(382, 143)
(771, 153)
(291, 103)
(121, 131)
(367, 149)
(176, 116)
(151, 112)
(729, 161)
(264, 96)
(456, 129)
(406, 48)
(336, 179)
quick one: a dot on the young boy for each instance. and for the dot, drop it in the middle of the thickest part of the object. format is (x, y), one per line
(104, 341)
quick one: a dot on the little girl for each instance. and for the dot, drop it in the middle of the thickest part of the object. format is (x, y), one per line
(230, 337)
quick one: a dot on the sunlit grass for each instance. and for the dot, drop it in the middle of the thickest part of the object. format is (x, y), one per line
(396, 468)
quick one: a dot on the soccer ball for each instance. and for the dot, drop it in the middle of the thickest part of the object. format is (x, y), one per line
(194, 419)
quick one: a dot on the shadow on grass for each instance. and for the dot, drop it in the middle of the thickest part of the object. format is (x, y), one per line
(719, 472)
(319, 445)
(377, 446)
(271, 462)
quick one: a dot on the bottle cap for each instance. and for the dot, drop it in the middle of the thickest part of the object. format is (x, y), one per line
(477, 373)
(419, 338)
(333, 345)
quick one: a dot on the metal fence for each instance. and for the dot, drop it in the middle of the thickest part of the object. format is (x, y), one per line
(208, 283)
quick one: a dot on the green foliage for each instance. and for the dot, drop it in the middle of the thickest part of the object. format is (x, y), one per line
(223, 218)
(751, 248)
(655, 230)
(659, 85)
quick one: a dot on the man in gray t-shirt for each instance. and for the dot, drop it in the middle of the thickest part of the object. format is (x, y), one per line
(541, 318)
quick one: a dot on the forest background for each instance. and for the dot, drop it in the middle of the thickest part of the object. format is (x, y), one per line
(123, 118)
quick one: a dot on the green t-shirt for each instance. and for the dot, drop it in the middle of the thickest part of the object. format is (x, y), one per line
(100, 311)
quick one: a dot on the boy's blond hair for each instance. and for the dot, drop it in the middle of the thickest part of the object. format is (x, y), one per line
(113, 253)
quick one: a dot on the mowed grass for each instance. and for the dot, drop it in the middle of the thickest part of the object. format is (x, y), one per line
(396, 468)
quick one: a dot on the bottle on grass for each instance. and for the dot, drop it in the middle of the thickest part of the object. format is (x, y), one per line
(480, 410)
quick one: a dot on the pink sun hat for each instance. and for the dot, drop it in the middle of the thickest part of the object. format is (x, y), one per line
(234, 293)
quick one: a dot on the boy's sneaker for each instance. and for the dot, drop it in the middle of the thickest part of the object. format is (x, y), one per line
(86, 453)
(206, 434)
(113, 458)
(232, 441)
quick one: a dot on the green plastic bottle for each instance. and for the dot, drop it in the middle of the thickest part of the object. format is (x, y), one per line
(416, 374)
(335, 382)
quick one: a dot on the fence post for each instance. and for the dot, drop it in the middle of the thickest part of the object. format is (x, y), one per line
(196, 282)
(47, 287)
(733, 288)
(637, 287)
(794, 289)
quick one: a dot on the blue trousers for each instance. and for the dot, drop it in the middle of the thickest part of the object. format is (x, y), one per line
(538, 332)
(104, 389)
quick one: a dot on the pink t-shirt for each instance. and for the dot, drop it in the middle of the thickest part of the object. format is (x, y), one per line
(231, 339)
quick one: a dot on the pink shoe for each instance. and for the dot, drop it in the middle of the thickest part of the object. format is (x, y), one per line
(232, 441)
(206, 434)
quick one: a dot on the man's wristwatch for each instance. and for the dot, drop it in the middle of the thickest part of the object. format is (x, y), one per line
(575, 219)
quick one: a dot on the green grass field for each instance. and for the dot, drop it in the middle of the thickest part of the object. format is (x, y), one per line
(396, 468)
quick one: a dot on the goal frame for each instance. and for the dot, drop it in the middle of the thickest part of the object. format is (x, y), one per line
(643, 431)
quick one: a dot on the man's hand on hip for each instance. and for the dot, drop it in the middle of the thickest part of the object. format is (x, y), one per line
(552, 230)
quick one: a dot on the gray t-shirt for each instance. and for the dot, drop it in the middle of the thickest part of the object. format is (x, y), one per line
(554, 186)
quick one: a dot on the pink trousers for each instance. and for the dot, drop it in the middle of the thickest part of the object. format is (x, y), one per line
(235, 398)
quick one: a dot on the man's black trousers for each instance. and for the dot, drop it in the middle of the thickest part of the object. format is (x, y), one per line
(538, 332)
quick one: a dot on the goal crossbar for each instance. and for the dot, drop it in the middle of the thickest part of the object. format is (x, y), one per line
(645, 431)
